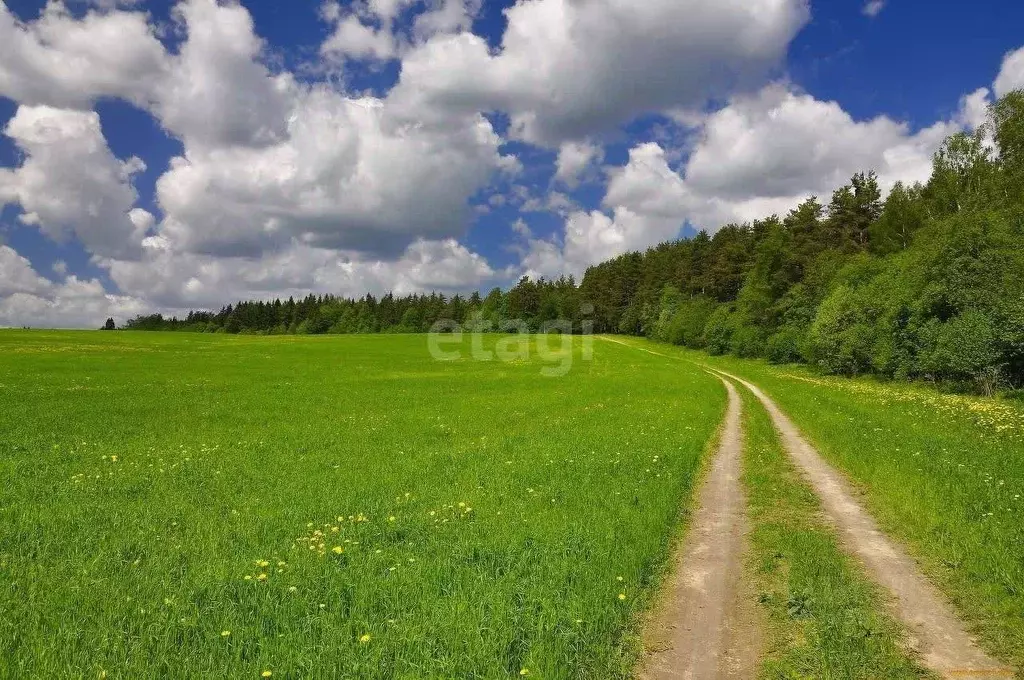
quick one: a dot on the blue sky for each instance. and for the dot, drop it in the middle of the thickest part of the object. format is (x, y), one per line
(451, 145)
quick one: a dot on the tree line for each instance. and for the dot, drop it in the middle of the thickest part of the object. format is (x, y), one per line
(925, 284)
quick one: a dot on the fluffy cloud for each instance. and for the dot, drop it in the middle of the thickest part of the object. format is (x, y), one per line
(217, 92)
(28, 299)
(568, 69)
(70, 182)
(781, 143)
(1011, 73)
(353, 38)
(268, 161)
(345, 175)
(67, 62)
(370, 30)
(574, 159)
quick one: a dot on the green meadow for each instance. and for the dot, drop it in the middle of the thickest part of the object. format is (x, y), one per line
(183, 505)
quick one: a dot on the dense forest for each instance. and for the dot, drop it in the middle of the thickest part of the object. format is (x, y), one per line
(925, 283)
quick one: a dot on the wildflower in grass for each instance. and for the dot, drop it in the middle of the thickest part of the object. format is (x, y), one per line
(262, 564)
(622, 596)
(293, 589)
(391, 518)
(261, 577)
(266, 674)
(225, 633)
(337, 550)
(618, 578)
(364, 638)
(524, 672)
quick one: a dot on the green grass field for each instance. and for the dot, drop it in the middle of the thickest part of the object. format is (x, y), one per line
(942, 473)
(217, 506)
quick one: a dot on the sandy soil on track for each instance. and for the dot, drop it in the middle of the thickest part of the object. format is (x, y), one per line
(935, 632)
(705, 625)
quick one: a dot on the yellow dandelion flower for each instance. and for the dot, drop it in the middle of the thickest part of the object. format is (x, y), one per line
(262, 563)
(524, 672)
(364, 639)
(225, 633)
(618, 578)
(265, 674)
(391, 518)
(337, 550)
(622, 596)
(261, 577)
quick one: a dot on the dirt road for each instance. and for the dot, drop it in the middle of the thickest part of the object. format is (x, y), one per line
(706, 624)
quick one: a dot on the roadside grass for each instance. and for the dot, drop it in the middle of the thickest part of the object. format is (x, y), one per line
(824, 618)
(220, 506)
(942, 473)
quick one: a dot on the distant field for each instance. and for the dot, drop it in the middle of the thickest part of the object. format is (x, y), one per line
(942, 473)
(189, 505)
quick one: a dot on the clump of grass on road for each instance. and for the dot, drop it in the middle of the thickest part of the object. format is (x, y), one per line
(825, 620)
(178, 505)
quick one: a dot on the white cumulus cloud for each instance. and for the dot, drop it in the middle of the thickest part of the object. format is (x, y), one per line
(67, 62)
(70, 183)
(28, 299)
(1011, 73)
(569, 69)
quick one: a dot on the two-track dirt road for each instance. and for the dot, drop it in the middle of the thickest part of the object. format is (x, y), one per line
(706, 627)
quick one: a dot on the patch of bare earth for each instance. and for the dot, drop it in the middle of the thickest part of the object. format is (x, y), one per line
(705, 625)
(935, 632)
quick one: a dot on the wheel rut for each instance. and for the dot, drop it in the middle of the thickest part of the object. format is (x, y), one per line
(705, 626)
